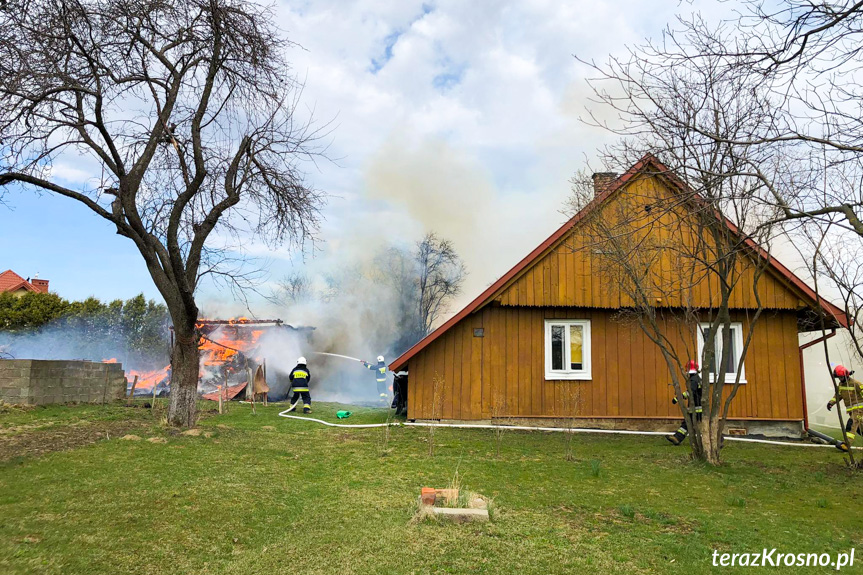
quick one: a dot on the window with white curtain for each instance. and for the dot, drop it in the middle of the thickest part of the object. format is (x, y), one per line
(567, 349)
(733, 360)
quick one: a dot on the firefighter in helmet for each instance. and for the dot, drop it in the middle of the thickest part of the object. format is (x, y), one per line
(692, 395)
(380, 376)
(300, 379)
(850, 392)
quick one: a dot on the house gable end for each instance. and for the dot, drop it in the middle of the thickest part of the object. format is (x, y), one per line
(571, 272)
(788, 283)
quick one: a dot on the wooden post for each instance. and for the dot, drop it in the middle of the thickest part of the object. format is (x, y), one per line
(153, 403)
(265, 381)
(251, 382)
(220, 400)
(132, 391)
(254, 411)
(226, 391)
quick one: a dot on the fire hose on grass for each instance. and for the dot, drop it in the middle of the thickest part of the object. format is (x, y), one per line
(530, 428)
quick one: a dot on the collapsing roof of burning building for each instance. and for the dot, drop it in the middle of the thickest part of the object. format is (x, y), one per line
(231, 349)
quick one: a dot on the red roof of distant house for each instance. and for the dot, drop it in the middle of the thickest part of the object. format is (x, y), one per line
(10, 281)
(648, 161)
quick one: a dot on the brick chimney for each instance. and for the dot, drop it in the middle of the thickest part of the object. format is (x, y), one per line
(602, 180)
(40, 285)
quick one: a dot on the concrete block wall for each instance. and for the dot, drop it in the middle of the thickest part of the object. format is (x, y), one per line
(43, 382)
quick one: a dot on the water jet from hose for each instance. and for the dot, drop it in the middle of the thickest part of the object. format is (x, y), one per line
(337, 355)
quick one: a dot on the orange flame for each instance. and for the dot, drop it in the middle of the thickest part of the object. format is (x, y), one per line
(147, 380)
(218, 347)
(224, 343)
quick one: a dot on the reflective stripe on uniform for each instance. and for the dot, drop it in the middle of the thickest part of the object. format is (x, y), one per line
(846, 388)
(681, 430)
(301, 374)
(853, 407)
(300, 388)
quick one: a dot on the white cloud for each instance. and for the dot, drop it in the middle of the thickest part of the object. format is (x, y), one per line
(455, 117)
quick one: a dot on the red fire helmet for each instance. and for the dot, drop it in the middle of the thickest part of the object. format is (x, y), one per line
(841, 371)
(692, 366)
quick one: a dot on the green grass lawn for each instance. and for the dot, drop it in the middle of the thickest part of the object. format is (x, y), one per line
(267, 495)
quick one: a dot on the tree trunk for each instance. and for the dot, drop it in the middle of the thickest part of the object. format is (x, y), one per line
(697, 442)
(185, 366)
(711, 437)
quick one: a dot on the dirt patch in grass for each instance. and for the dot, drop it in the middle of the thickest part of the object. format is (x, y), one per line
(36, 442)
(662, 522)
(623, 517)
(347, 437)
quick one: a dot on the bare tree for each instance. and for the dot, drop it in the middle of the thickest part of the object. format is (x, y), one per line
(294, 288)
(804, 61)
(184, 113)
(441, 275)
(675, 266)
(807, 56)
(705, 230)
(395, 269)
(828, 261)
(423, 282)
(572, 405)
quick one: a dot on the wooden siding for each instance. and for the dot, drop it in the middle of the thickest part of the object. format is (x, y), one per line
(572, 273)
(468, 374)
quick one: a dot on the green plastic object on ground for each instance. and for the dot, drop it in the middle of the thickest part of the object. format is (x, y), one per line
(343, 414)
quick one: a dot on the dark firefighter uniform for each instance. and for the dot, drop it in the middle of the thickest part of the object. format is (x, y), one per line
(380, 377)
(692, 396)
(400, 393)
(850, 393)
(300, 379)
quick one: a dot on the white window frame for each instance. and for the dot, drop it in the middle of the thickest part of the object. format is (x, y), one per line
(568, 374)
(737, 334)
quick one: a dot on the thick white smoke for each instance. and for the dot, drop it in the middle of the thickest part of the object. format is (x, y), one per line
(358, 318)
(62, 341)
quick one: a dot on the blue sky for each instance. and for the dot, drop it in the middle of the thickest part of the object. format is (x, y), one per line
(64, 242)
(454, 117)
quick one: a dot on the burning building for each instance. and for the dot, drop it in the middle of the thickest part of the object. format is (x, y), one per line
(231, 351)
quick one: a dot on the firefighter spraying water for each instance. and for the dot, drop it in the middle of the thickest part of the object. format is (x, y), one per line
(380, 377)
(300, 378)
(380, 370)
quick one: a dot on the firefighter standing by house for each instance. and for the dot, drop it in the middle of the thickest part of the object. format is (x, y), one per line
(851, 393)
(380, 376)
(692, 395)
(300, 379)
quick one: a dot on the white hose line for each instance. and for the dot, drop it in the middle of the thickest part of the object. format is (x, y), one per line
(530, 428)
(327, 423)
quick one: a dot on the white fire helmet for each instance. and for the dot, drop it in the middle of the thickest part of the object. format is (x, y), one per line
(301, 360)
(380, 358)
